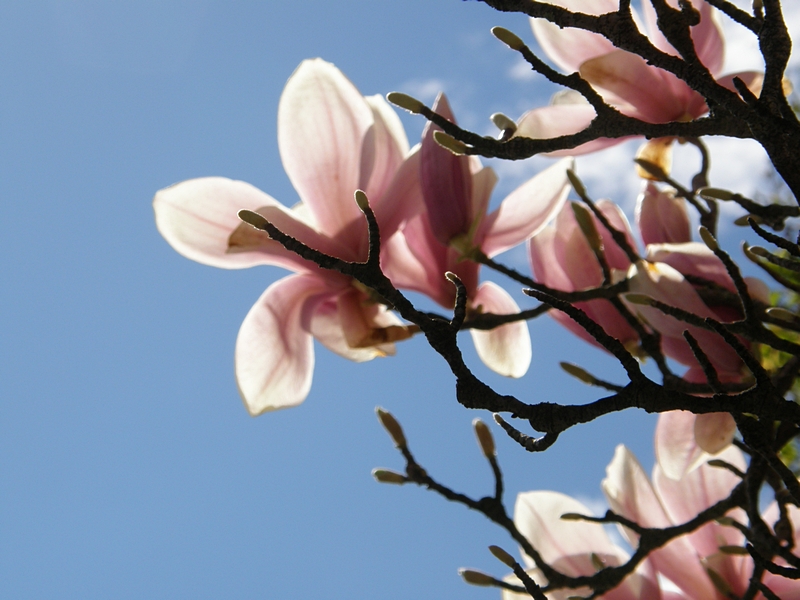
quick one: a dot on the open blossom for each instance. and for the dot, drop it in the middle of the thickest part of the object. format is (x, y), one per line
(455, 223)
(694, 562)
(575, 548)
(562, 259)
(332, 141)
(624, 80)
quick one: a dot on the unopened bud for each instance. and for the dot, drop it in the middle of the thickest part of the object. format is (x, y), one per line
(448, 142)
(650, 168)
(715, 193)
(777, 312)
(476, 577)
(406, 102)
(744, 220)
(759, 251)
(736, 550)
(503, 556)
(386, 476)
(587, 225)
(572, 517)
(750, 254)
(253, 218)
(708, 239)
(576, 183)
(392, 426)
(509, 39)
(597, 562)
(485, 439)
(361, 200)
(503, 123)
(719, 582)
(578, 373)
(726, 521)
(642, 299)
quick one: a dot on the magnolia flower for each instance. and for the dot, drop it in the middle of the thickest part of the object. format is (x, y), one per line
(694, 562)
(456, 223)
(332, 141)
(625, 80)
(575, 548)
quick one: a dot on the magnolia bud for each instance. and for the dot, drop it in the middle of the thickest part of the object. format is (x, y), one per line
(578, 373)
(708, 239)
(386, 476)
(503, 123)
(642, 299)
(406, 102)
(715, 193)
(509, 39)
(392, 426)
(485, 439)
(781, 313)
(503, 556)
(737, 550)
(476, 577)
(253, 218)
(361, 200)
(448, 142)
(576, 183)
(587, 225)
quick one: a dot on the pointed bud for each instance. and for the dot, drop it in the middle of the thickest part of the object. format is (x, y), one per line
(708, 239)
(586, 223)
(759, 251)
(750, 254)
(726, 521)
(642, 299)
(719, 582)
(386, 476)
(392, 426)
(572, 517)
(406, 102)
(654, 159)
(743, 221)
(485, 439)
(448, 142)
(715, 193)
(777, 312)
(253, 218)
(597, 562)
(503, 123)
(361, 200)
(476, 578)
(503, 556)
(577, 372)
(509, 39)
(576, 183)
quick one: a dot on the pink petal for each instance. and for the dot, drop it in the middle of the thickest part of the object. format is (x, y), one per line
(569, 47)
(557, 120)
(446, 182)
(198, 216)
(627, 78)
(483, 182)
(692, 258)
(384, 148)
(714, 431)
(322, 121)
(402, 200)
(507, 349)
(662, 217)
(344, 322)
(527, 209)
(677, 451)
(274, 350)
(631, 494)
(537, 515)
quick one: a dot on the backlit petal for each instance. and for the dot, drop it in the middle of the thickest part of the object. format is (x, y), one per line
(506, 349)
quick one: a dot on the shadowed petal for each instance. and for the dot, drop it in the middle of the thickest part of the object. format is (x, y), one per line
(198, 216)
(557, 120)
(384, 148)
(507, 349)
(274, 351)
(322, 120)
(662, 217)
(527, 209)
(569, 47)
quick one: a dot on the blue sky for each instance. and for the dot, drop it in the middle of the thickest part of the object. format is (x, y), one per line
(128, 466)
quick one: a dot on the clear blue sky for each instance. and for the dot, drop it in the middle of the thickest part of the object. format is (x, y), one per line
(128, 466)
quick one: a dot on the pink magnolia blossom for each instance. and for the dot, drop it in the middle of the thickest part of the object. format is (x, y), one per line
(455, 223)
(687, 560)
(623, 79)
(575, 548)
(332, 141)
